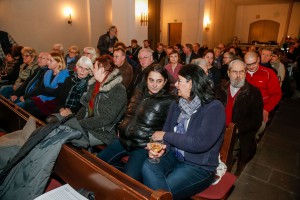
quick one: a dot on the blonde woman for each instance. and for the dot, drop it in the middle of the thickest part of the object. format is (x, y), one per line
(43, 100)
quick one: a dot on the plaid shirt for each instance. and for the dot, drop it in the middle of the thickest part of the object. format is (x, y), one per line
(12, 42)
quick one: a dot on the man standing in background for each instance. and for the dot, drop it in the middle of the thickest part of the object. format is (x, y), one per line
(107, 41)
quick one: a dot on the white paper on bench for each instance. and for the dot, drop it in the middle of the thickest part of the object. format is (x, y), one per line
(65, 192)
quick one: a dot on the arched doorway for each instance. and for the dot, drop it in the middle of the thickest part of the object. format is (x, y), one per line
(263, 31)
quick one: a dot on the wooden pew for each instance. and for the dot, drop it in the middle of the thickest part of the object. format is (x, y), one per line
(81, 169)
(12, 117)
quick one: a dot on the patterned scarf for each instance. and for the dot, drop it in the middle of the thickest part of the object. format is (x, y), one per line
(79, 86)
(187, 109)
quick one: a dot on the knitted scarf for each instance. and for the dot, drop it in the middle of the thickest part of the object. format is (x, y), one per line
(187, 109)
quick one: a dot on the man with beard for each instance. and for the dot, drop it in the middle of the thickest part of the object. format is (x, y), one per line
(243, 106)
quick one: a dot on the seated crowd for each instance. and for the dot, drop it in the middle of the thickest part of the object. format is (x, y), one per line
(184, 95)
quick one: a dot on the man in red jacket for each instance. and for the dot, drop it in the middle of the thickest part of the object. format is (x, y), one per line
(266, 81)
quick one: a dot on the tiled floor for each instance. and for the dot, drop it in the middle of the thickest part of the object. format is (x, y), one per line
(274, 172)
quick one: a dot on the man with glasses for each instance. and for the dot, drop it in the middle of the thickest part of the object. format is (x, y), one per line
(266, 81)
(146, 59)
(244, 107)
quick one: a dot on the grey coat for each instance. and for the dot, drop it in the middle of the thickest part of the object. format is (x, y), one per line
(109, 107)
(28, 178)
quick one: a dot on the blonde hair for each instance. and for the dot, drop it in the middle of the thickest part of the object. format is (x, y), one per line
(59, 58)
(30, 51)
(75, 48)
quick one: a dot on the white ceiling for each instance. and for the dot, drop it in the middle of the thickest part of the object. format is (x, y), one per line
(258, 2)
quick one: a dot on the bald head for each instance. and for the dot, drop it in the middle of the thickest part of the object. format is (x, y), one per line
(43, 58)
(251, 60)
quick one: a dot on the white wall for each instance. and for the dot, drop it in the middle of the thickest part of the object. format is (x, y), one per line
(185, 12)
(41, 23)
(191, 14)
(276, 12)
(128, 23)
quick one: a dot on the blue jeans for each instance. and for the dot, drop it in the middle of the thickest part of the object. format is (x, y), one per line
(183, 180)
(6, 91)
(113, 154)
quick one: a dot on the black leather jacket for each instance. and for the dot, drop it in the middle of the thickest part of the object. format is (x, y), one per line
(145, 114)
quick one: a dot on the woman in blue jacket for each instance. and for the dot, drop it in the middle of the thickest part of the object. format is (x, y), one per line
(193, 135)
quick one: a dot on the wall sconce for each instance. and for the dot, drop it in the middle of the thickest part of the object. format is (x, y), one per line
(68, 14)
(206, 23)
(207, 27)
(144, 19)
(141, 11)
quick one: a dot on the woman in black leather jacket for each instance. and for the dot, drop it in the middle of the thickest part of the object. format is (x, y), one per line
(146, 113)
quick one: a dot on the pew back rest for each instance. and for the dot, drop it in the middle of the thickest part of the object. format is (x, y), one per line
(12, 117)
(81, 169)
(226, 151)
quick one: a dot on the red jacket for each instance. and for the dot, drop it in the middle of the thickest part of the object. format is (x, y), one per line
(267, 82)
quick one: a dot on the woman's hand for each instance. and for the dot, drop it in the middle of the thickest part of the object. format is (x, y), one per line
(99, 72)
(153, 154)
(65, 112)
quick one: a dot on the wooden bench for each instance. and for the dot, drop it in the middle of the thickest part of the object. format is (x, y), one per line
(222, 189)
(81, 169)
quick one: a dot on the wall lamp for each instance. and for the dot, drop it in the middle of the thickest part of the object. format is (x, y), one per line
(68, 14)
(207, 27)
(144, 19)
(206, 23)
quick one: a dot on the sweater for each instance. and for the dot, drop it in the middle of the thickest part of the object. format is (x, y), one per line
(204, 135)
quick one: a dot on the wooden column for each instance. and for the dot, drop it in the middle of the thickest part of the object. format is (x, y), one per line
(154, 22)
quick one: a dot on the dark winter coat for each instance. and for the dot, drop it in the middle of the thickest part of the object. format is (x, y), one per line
(145, 114)
(246, 114)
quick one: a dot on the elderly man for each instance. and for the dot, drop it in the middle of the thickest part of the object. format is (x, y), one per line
(146, 59)
(266, 81)
(124, 67)
(243, 106)
(58, 48)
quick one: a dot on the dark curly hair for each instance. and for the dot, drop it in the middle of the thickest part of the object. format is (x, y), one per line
(201, 86)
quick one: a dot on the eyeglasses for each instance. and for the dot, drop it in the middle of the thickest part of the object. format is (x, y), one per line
(86, 53)
(72, 52)
(42, 58)
(83, 68)
(116, 57)
(242, 72)
(26, 56)
(144, 58)
(251, 64)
